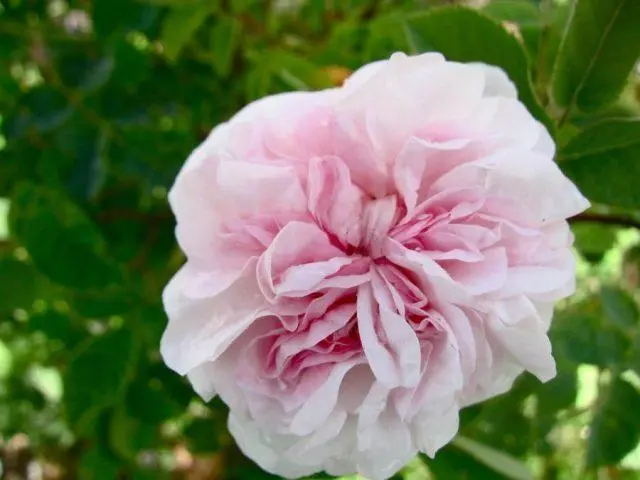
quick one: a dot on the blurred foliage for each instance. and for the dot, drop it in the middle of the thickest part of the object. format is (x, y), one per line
(102, 100)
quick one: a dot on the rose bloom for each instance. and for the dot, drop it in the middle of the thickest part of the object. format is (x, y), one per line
(365, 261)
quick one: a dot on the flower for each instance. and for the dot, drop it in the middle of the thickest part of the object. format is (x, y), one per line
(365, 261)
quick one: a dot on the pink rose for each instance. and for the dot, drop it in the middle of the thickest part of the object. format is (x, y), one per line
(365, 261)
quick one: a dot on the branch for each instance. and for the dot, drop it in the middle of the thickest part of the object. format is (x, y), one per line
(606, 219)
(18, 29)
(115, 215)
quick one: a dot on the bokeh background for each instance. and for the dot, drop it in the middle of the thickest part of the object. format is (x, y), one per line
(102, 100)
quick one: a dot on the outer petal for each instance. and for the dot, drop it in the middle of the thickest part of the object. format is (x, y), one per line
(497, 83)
(320, 405)
(192, 199)
(448, 91)
(518, 329)
(249, 188)
(266, 452)
(518, 174)
(201, 329)
(435, 426)
(363, 74)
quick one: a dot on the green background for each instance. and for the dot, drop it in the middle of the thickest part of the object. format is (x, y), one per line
(101, 101)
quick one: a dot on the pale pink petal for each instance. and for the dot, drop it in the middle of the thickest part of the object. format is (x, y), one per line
(297, 243)
(389, 447)
(497, 83)
(312, 448)
(299, 280)
(333, 200)
(377, 220)
(362, 75)
(320, 405)
(201, 329)
(249, 188)
(419, 163)
(516, 327)
(486, 275)
(380, 359)
(402, 340)
(435, 426)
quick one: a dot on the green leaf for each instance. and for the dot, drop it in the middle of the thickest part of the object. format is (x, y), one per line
(554, 18)
(603, 137)
(203, 435)
(103, 303)
(583, 338)
(631, 267)
(619, 307)
(96, 464)
(597, 53)
(525, 14)
(6, 361)
(593, 240)
(345, 39)
(172, 3)
(180, 24)
(178, 389)
(490, 426)
(55, 325)
(147, 473)
(517, 11)
(83, 72)
(128, 436)
(97, 375)
(149, 401)
(225, 39)
(468, 415)
(603, 162)
(88, 147)
(496, 460)
(615, 429)
(41, 109)
(4, 224)
(558, 393)
(239, 6)
(296, 71)
(386, 36)
(63, 243)
(465, 35)
(451, 463)
(112, 16)
(634, 360)
(152, 322)
(131, 65)
(258, 82)
(19, 282)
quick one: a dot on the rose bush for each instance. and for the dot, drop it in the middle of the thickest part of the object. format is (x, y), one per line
(365, 261)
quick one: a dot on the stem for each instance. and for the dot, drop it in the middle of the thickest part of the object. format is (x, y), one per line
(576, 92)
(115, 215)
(15, 29)
(565, 115)
(606, 219)
(541, 71)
